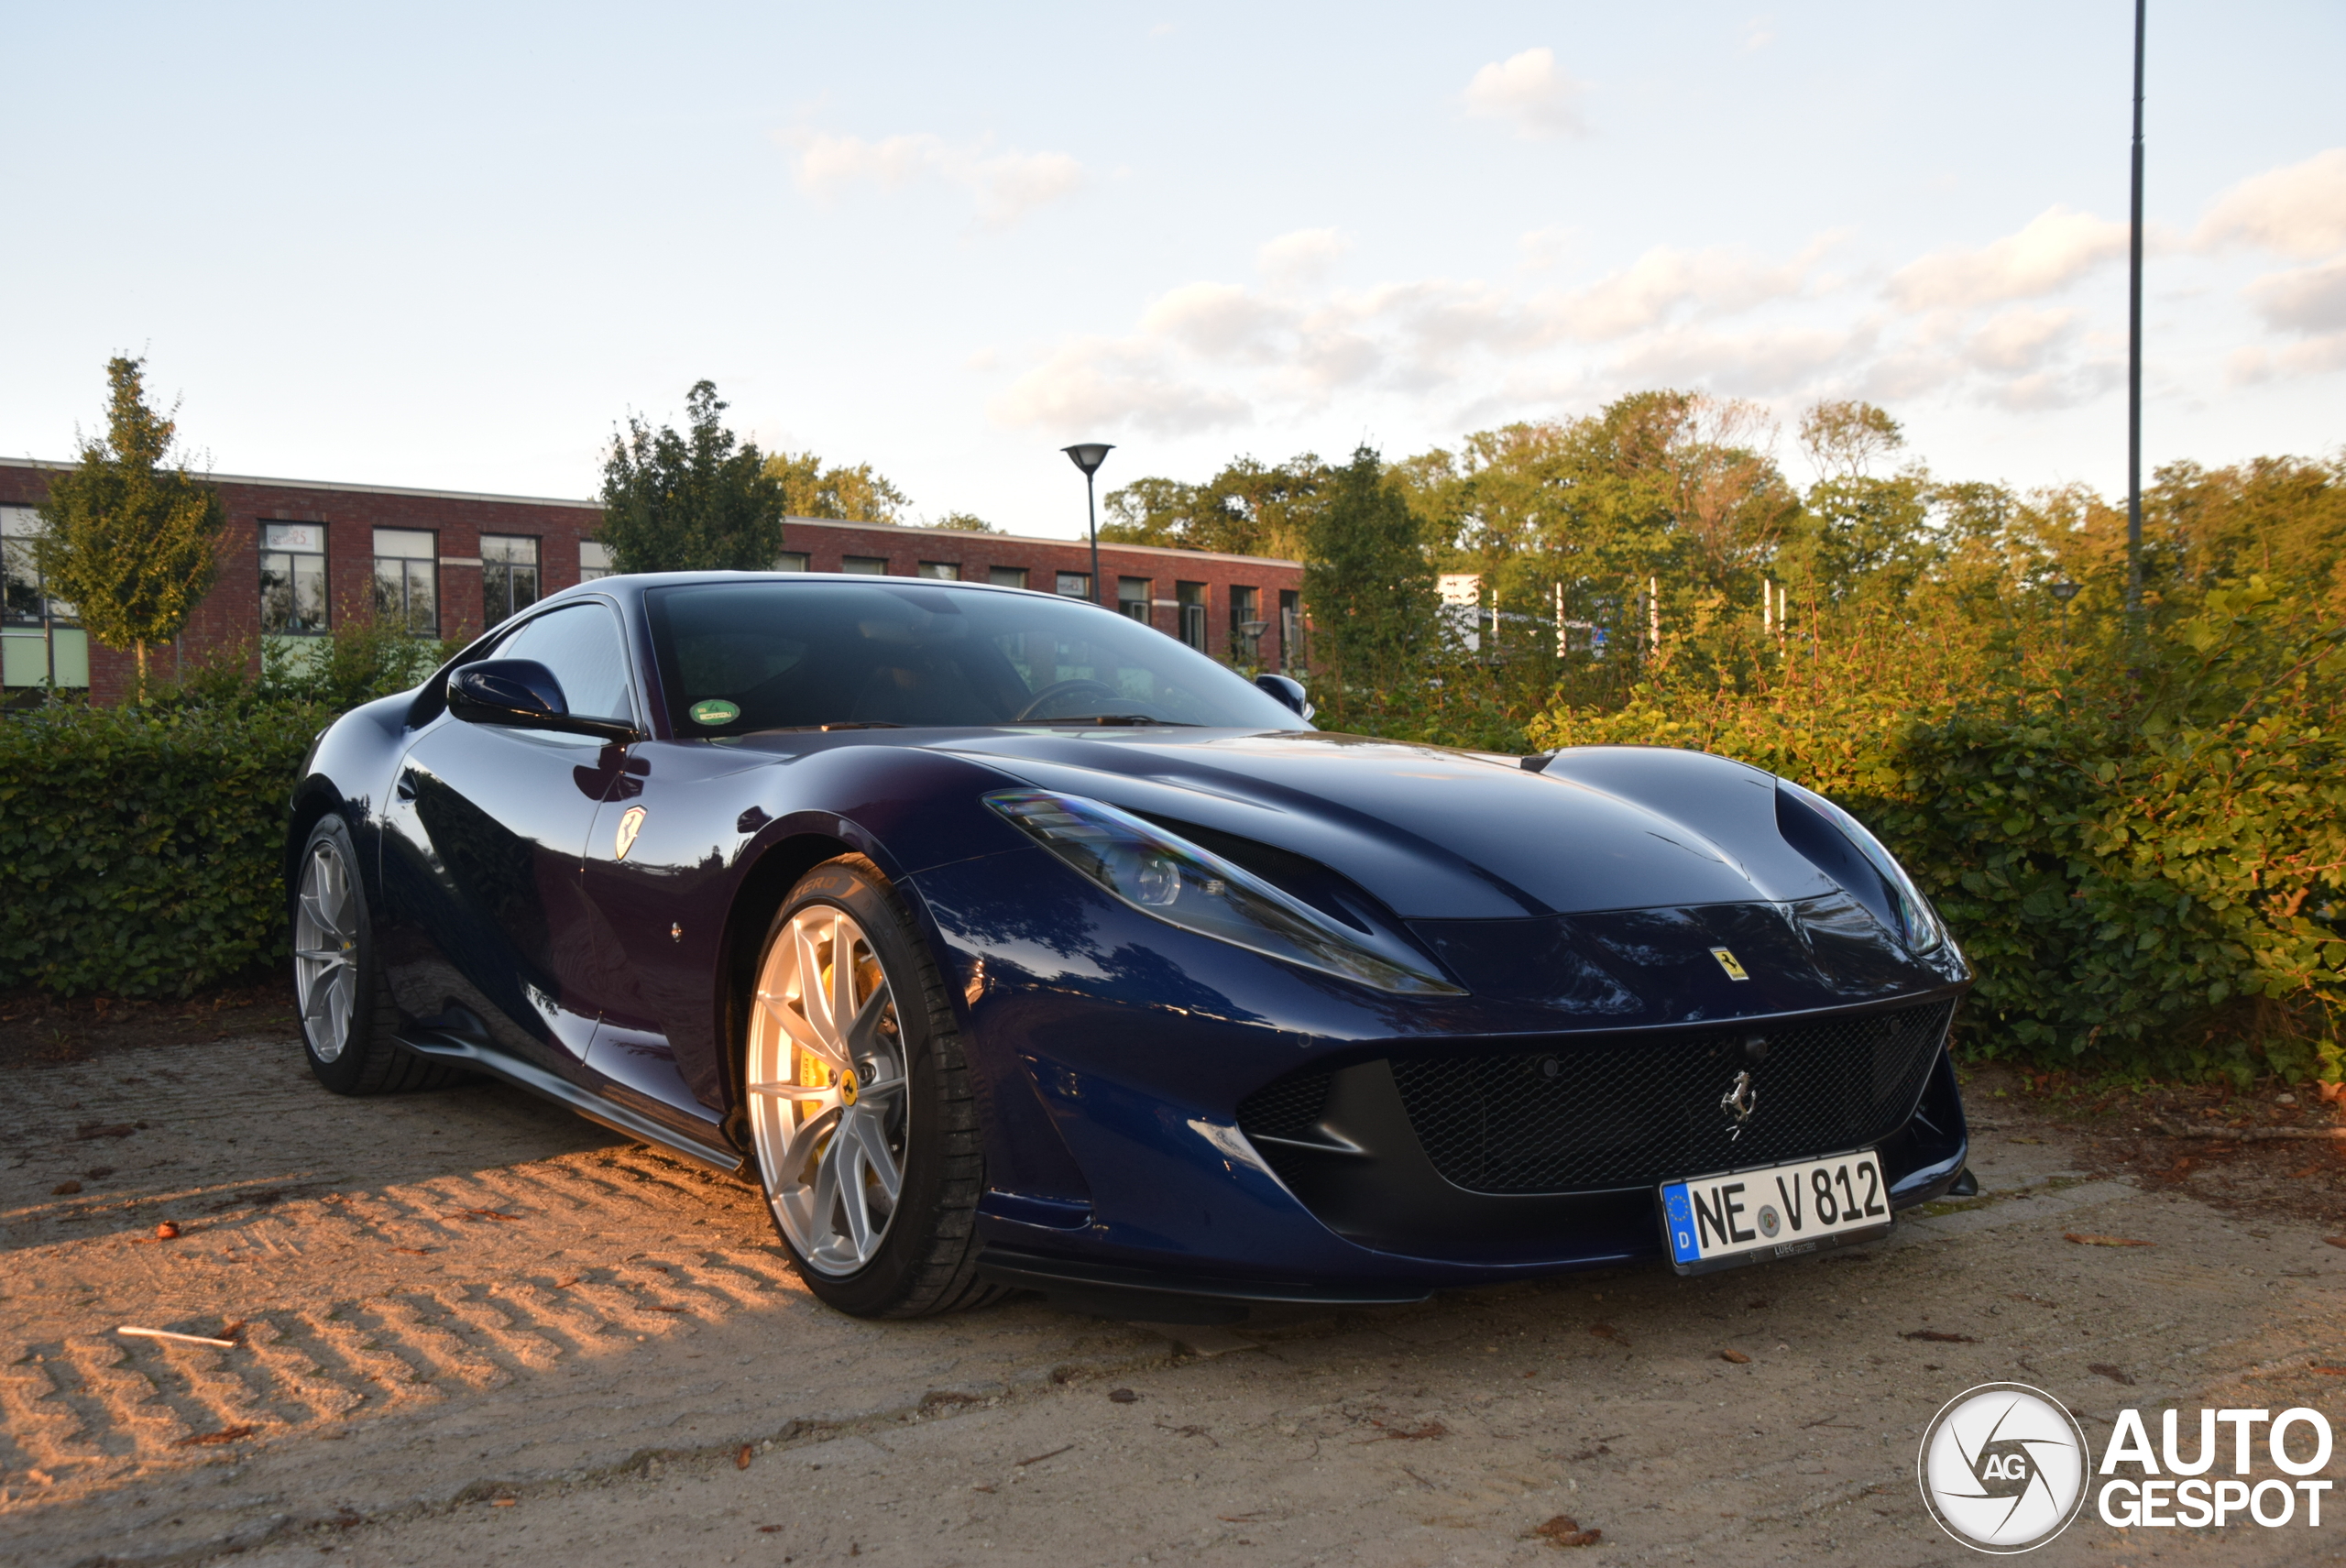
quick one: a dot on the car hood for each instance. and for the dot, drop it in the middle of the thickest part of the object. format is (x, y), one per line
(1444, 835)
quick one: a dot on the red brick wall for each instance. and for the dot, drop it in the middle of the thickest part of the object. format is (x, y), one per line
(230, 615)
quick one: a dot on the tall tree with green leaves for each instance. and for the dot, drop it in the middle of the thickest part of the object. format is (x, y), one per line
(1366, 581)
(131, 538)
(694, 501)
(856, 493)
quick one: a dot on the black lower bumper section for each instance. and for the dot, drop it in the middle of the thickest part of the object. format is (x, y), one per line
(1152, 1297)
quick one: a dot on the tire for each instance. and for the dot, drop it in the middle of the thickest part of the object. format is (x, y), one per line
(839, 1110)
(339, 992)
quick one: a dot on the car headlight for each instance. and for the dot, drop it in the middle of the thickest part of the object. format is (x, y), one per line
(1182, 885)
(1916, 920)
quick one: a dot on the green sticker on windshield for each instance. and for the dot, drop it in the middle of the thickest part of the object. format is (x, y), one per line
(716, 710)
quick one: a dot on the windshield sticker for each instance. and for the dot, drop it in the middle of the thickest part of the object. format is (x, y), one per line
(716, 710)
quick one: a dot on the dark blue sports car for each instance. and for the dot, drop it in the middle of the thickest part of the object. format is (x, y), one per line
(1010, 943)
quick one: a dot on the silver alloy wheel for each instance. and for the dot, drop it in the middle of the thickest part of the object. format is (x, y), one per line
(325, 950)
(828, 1108)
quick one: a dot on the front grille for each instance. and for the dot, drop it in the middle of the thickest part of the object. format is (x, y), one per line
(1288, 1108)
(1579, 1118)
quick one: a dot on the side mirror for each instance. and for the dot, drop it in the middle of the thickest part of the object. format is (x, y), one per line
(522, 693)
(1289, 692)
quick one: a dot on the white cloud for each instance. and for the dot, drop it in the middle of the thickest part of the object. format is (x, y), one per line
(2297, 210)
(1528, 92)
(1098, 384)
(1006, 186)
(1716, 281)
(2056, 247)
(1303, 256)
(2308, 300)
(2019, 340)
(2315, 357)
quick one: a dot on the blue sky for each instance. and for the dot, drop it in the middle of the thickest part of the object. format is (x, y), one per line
(453, 246)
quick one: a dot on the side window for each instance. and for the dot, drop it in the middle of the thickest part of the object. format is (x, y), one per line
(580, 643)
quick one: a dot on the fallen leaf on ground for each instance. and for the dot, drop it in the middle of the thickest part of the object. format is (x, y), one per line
(772, 1529)
(166, 1232)
(1587, 1454)
(2335, 1240)
(226, 1434)
(501, 1502)
(741, 1459)
(2331, 1371)
(1040, 1457)
(1564, 1530)
(65, 1189)
(1391, 1431)
(2115, 1374)
(1936, 1337)
(567, 1284)
(416, 1251)
(652, 1309)
(104, 1130)
(98, 1172)
(1122, 1395)
(981, 1487)
(1242, 1518)
(1606, 1331)
(478, 1214)
(2088, 1239)
(1736, 1356)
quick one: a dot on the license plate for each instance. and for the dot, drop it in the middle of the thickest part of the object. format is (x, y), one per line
(1780, 1211)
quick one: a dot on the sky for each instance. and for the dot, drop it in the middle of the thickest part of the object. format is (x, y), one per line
(455, 246)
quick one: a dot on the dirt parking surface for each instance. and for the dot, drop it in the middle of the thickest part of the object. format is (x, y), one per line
(474, 1328)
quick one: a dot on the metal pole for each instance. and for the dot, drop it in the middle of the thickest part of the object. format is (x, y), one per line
(1092, 510)
(2134, 351)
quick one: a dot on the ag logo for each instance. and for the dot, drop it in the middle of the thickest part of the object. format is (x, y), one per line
(2003, 1467)
(631, 824)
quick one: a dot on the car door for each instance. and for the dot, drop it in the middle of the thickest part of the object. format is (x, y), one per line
(487, 936)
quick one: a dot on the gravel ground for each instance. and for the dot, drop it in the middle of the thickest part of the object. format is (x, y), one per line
(469, 1327)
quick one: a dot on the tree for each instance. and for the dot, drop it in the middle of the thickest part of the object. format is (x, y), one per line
(694, 502)
(848, 495)
(1248, 509)
(1366, 578)
(131, 538)
(959, 522)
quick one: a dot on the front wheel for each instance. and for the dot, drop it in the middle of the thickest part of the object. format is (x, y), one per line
(860, 1107)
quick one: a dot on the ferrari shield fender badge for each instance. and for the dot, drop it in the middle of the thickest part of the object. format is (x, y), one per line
(631, 824)
(1734, 970)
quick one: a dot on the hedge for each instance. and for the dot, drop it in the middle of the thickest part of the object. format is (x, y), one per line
(140, 849)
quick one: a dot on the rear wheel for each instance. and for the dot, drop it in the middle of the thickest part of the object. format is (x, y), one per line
(860, 1114)
(339, 992)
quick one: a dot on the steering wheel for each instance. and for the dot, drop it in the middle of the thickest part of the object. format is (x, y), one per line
(1063, 688)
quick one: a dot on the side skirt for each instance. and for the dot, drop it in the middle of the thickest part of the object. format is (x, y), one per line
(592, 1106)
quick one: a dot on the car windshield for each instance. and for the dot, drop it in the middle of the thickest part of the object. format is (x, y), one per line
(787, 654)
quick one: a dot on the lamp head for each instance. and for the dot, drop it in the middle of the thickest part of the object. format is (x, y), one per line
(2064, 591)
(1088, 455)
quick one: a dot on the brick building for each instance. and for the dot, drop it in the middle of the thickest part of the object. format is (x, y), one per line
(298, 555)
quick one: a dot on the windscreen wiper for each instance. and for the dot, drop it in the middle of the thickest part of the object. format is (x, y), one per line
(1103, 718)
(827, 729)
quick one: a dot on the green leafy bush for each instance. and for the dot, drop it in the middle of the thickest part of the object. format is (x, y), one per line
(141, 848)
(2146, 865)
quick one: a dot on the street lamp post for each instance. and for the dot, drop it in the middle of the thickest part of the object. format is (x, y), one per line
(2064, 591)
(1088, 455)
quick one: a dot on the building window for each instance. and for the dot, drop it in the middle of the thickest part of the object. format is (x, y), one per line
(292, 577)
(1132, 598)
(407, 579)
(1191, 599)
(1247, 624)
(865, 565)
(1074, 584)
(594, 560)
(39, 646)
(1290, 631)
(943, 571)
(509, 575)
(1006, 577)
(791, 561)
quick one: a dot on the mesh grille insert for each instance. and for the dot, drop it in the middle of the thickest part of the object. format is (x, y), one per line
(1288, 1108)
(1577, 1118)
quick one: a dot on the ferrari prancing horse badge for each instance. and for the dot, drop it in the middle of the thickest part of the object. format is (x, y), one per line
(631, 824)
